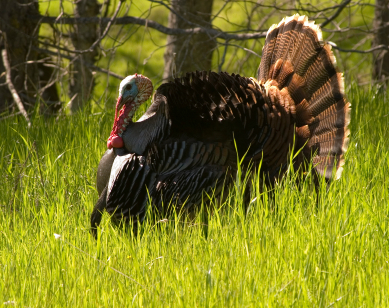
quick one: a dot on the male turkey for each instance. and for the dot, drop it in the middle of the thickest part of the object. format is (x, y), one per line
(188, 141)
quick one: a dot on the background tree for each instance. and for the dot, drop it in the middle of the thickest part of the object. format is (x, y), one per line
(82, 44)
(189, 52)
(81, 76)
(18, 37)
(31, 73)
(381, 38)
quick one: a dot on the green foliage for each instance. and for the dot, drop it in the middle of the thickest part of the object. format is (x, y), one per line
(294, 247)
(130, 49)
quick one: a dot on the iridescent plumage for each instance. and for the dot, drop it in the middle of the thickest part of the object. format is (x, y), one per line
(187, 142)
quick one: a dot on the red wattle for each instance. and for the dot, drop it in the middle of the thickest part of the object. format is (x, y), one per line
(109, 144)
(117, 142)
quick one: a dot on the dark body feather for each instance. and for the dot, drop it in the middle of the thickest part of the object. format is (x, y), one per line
(188, 141)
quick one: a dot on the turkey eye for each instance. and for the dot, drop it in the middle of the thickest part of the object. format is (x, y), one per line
(128, 87)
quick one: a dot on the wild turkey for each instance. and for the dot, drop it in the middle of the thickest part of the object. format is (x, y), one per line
(184, 145)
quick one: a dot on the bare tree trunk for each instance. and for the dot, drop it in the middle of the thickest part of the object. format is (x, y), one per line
(19, 37)
(81, 80)
(381, 26)
(187, 53)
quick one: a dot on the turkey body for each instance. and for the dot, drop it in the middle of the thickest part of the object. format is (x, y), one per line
(188, 142)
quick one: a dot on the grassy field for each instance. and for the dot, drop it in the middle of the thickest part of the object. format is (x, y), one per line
(295, 249)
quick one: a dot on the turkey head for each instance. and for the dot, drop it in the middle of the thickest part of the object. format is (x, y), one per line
(133, 91)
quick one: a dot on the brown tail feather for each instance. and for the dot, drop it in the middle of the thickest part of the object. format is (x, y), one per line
(295, 58)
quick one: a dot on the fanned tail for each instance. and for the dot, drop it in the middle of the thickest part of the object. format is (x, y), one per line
(295, 60)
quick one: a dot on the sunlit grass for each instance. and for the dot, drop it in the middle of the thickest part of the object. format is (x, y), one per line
(294, 247)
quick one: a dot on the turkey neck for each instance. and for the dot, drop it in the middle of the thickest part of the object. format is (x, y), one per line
(152, 126)
(139, 135)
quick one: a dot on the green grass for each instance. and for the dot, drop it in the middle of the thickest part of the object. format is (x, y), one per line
(293, 249)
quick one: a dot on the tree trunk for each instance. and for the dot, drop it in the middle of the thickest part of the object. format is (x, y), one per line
(381, 27)
(187, 53)
(19, 36)
(81, 79)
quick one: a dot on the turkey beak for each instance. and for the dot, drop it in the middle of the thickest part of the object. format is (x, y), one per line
(119, 103)
(123, 101)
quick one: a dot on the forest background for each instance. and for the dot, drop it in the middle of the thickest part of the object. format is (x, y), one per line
(71, 54)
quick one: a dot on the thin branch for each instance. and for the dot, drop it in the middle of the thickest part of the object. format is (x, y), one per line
(379, 47)
(11, 87)
(107, 4)
(110, 22)
(221, 9)
(93, 67)
(103, 70)
(10, 116)
(174, 12)
(23, 63)
(304, 8)
(150, 24)
(339, 10)
(246, 49)
(223, 57)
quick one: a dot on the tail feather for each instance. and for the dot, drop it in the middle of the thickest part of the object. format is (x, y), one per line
(330, 143)
(321, 70)
(325, 165)
(330, 119)
(295, 58)
(331, 93)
